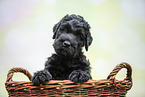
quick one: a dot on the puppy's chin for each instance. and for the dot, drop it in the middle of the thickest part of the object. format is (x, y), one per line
(66, 52)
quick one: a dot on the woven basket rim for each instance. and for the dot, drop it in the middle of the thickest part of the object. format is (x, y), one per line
(61, 84)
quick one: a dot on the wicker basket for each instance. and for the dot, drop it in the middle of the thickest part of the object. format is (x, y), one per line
(67, 88)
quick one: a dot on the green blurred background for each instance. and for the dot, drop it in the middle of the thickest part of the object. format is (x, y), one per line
(117, 27)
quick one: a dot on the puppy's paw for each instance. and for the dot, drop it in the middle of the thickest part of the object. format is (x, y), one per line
(79, 76)
(40, 77)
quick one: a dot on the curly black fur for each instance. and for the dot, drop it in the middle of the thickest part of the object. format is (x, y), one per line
(70, 34)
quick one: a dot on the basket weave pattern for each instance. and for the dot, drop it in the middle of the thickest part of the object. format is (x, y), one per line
(67, 88)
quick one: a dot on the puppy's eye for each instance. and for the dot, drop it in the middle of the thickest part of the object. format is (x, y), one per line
(81, 36)
(62, 28)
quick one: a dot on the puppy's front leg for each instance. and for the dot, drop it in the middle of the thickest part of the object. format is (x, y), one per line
(41, 76)
(79, 76)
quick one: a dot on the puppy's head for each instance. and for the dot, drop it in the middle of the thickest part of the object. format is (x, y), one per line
(71, 34)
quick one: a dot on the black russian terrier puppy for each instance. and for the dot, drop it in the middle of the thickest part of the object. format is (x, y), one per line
(70, 34)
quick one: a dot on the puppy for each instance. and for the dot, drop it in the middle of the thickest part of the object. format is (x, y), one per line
(71, 33)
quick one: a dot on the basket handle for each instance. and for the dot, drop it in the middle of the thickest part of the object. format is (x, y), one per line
(14, 70)
(128, 78)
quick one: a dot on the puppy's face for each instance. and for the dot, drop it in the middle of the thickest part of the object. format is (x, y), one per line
(66, 45)
(71, 34)
(69, 41)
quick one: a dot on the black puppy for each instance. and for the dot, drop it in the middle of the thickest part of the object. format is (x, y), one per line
(70, 34)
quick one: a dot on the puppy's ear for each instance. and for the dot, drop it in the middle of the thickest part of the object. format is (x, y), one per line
(56, 26)
(89, 38)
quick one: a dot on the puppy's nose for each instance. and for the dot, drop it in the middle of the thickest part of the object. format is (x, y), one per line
(66, 43)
